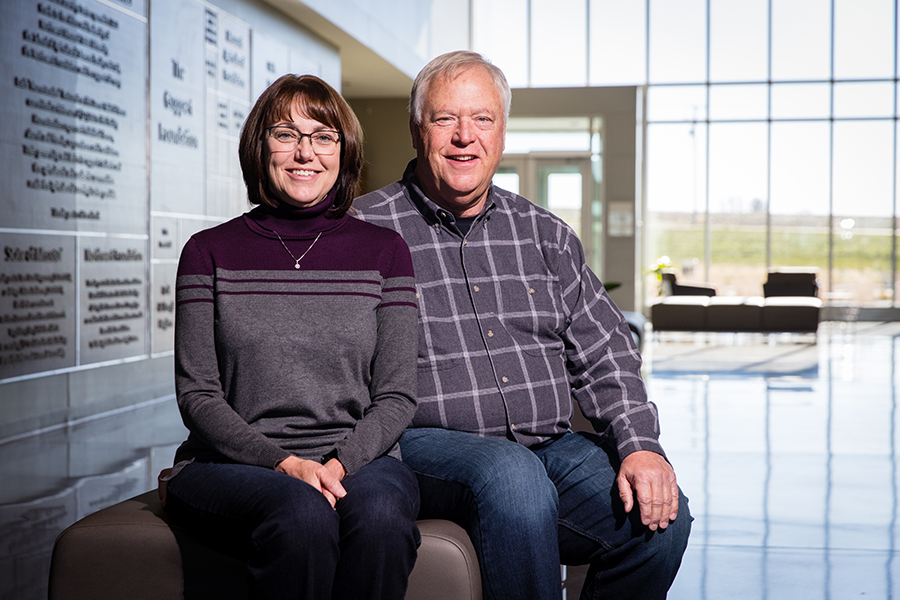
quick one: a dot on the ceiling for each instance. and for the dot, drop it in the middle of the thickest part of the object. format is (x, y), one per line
(364, 74)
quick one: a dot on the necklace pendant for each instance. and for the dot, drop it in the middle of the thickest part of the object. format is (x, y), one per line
(297, 265)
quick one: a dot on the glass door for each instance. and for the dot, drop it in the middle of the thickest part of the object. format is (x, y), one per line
(564, 185)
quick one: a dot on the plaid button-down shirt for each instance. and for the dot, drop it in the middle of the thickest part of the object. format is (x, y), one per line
(514, 324)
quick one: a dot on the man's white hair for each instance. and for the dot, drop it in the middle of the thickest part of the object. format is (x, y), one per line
(450, 65)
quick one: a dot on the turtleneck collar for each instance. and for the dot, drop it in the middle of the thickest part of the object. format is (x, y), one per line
(294, 222)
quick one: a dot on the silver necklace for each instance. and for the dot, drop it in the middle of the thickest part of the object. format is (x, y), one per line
(296, 260)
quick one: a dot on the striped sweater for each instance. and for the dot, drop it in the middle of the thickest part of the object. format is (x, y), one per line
(272, 361)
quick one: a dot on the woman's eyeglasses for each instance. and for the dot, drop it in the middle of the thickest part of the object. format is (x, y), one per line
(324, 143)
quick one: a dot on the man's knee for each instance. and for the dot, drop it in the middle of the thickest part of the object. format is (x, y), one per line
(491, 476)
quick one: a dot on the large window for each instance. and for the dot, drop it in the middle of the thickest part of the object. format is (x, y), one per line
(771, 127)
(797, 103)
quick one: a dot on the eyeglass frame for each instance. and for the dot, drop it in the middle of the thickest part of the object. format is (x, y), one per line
(301, 135)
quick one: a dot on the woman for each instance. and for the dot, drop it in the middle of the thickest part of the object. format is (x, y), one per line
(295, 349)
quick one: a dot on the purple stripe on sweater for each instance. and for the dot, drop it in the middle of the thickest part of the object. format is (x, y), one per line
(191, 301)
(361, 281)
(410, 304)
(193, 287)
(261, 293)
(399, 289)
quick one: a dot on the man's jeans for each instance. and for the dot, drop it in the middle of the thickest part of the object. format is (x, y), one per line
(528, 510)
(299, 547)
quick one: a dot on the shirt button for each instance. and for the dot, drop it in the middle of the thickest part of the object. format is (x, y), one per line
(465, 242)
(504, 380)
(513, 427)
(476, 288)
(490, 333)
(417, 295)
(531, 290)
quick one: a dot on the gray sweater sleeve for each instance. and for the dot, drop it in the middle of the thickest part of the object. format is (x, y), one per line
(393, 383)
(213, 423)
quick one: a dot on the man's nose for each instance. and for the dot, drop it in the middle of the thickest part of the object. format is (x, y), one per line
(465, 131)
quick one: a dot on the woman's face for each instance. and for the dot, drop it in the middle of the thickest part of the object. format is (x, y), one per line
(297, 175)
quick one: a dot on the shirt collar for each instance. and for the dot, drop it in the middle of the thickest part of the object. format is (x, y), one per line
(433, 214)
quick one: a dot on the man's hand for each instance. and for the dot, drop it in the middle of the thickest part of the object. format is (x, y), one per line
(647, 476)
(325, 478)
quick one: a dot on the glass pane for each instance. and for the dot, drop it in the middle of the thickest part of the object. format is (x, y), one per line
(677, 41)
(800, 196)
(618, 51)
(801, 101)
(738, 102)
(522, 142)
(676, 103)
(897, 211)
(800, 181)
(554, 63)
(507, 178)
(559, 190)
(737, 167)
(738, 36)
(737, 203)
(525, 134)
(863, 176)
(863, 205)
(676, 163)
(801, 40)
(676, 199)
(863, 39)
(506, 46)
(863, 99)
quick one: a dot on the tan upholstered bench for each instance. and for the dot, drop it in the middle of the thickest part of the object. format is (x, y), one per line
(131, 551)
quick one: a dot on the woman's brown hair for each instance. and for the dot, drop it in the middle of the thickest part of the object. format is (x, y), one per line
(315, 100)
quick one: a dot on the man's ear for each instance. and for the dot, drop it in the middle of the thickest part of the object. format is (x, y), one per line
(414, 134)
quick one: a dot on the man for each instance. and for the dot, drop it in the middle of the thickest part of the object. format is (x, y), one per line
(513, 327)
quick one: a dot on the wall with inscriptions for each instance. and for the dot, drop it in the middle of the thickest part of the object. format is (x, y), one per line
(118, 140)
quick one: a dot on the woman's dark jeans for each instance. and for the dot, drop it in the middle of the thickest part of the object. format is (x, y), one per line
(298, 546)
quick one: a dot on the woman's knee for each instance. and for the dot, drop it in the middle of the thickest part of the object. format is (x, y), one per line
(294, 512)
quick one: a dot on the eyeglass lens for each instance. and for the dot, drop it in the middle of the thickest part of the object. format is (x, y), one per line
(323, 142)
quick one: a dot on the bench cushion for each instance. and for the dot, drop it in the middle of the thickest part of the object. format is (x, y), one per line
(132, 550)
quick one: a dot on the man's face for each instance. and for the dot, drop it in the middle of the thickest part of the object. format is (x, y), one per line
(460, 141)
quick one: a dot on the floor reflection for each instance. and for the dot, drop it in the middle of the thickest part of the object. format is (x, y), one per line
(791, 470)
(786, 446)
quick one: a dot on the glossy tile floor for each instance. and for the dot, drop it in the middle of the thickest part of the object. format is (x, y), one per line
(789, 455)
(786, 446)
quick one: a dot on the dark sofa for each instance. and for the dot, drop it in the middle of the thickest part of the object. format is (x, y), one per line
(789, 304)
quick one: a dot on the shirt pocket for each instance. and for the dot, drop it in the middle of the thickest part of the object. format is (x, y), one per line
(536, 325)
(441, 345)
